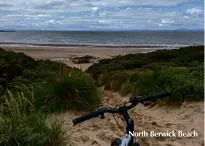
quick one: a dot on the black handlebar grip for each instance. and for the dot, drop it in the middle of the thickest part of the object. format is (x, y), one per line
(85, 117)
(156, 96)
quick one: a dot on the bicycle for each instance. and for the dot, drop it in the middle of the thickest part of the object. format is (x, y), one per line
(128, 139)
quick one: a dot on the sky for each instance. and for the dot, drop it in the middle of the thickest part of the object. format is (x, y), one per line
(102, 14)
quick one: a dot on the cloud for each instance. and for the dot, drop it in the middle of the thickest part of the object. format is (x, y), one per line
(127, 3)
(50, 5)
(104, 22)
(95, 9)
(3, 5)
(101, 14)
(167, 21)
(186, 17)
(194, 11)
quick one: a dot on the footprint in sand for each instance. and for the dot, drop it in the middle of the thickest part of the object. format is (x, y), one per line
(186, 116)
(84, 129)
(94, 142)
(148, 118)
(82, 138)
(106, 136)
(95, 126)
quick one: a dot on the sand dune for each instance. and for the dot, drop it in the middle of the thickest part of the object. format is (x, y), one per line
(100, 132)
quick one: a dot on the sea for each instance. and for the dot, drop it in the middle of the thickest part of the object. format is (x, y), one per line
(103, 38)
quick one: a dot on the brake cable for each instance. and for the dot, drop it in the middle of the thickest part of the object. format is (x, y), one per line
(113, 114)
(117, 122)
(119, 115)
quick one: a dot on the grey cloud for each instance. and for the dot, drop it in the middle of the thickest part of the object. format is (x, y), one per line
(2, 5)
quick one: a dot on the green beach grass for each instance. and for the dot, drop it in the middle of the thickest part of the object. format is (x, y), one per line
(180, 70)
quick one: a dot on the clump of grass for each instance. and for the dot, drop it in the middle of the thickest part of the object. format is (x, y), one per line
(56, 136)
(126, 88)
(68, 90)
(22, 124)
(75, 90)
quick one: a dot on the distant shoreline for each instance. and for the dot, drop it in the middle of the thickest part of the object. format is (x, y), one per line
(107, 30)
(66, 54)
(91, 45)
(7, 30)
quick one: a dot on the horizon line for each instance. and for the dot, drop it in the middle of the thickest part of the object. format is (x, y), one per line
(103, 30)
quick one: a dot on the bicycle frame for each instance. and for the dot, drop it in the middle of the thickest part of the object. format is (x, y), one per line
(128, 139)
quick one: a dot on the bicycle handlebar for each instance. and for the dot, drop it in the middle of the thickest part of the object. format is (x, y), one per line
(134, 101)
(156, 96)
(100, 111)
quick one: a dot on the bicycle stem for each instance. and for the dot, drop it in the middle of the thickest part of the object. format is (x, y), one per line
(129, 121)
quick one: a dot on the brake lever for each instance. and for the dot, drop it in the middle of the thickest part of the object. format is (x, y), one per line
(133, 99)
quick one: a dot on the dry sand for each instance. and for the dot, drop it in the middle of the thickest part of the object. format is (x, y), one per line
(98, 132)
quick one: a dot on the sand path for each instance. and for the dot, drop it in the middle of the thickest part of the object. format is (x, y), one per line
(99, 132)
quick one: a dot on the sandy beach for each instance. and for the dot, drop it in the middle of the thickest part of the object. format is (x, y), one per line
(67, 54)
